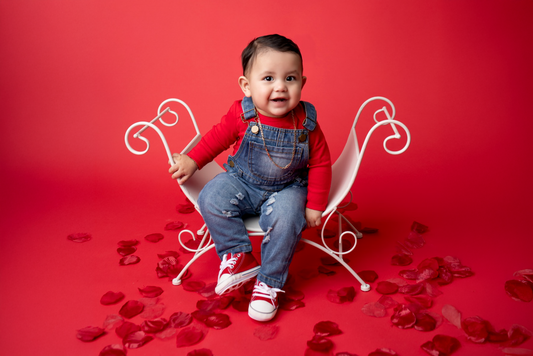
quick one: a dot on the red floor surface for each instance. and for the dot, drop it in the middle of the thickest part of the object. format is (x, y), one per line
(75, 75)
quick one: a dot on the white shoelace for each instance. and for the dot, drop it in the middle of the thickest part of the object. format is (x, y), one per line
(262, 290)
(226, 263)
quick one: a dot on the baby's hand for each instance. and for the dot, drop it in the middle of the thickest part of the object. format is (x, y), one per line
(313, 217)
(183, 169)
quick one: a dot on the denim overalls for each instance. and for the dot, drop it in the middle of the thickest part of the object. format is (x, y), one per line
(253, 185)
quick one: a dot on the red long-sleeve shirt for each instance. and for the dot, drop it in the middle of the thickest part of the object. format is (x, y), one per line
(231, 129)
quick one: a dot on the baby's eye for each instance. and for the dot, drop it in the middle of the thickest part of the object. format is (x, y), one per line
(268, 78)
(290, 78)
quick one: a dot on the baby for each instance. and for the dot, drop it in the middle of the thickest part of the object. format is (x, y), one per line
(280, 169)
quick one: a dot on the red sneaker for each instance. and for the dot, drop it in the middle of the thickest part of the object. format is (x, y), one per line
(264, 303)
(235, 270)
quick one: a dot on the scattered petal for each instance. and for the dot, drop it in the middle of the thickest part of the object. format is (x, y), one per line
(179, 320)
(154, 237)
(153, 311)
(326, 271)
(423, 300)
(498, 336)
(167, 334)
(403, 317)
(131, 309)
(218, 321)
(129, 260)
(192, 244)
(414, 240)
(292, 294)
(326, 328)
(418, 227)
(445, 276)
(136, 339)
(174, 225)
(208, 291)
(401, 260)
(193, 286)
(154, 326)
(127, 250)
(343, 295)
(174, 254)
(126, 243)
(518, 335)
(79, 237)
(386, 287)
(113, 350)
(90, 333)
(266, 332)
(185, 208)
(241, 304)
(151, 291)
(425, 322)
(319, 343)
(387, 302)
(126, 328)
(112, 321)
(289, 305)
(111, 298)
(446, 344)
(432, 288)
(476, 329)
(411, 289)
(189, 336)
(368, 276)
(409, 274)
(512, 351)
(452, 315)
(375, 309)
(401, 248)
(383, 352)
(526, 274)
(519, 290)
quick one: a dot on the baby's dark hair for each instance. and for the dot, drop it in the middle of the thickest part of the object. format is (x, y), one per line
(264, 43)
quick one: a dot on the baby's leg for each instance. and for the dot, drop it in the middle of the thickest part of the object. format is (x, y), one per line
(222, 203)
(283, 219)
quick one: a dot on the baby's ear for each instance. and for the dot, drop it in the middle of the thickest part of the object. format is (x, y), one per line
(304, 80)
(245, 85)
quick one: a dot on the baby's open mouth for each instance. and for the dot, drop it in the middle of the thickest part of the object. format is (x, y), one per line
(279, 100)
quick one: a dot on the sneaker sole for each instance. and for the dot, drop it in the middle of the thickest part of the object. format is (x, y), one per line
(258, 316)
(236, 281)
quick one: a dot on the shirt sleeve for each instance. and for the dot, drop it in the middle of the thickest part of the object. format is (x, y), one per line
(319, 171)
(219, 138)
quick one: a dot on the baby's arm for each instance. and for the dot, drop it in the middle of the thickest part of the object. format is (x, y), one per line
(313, 217)
(183, 169)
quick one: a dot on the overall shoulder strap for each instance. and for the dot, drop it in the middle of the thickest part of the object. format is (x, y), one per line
(248, 108)
(310, 116)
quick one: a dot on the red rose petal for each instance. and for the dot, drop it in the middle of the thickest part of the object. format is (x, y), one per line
(113, 350)
(383, 352)
(192, 244)
(319, 343)
(154, 237)
(368, 276)
(241, 304)
(401, 248)
(179, 320)
(446, 344)
(519, 290)
(79, 237)
(418, 227)
(326, 271)
(292, 294)
(343, 295)
(193, 286)
(430, 348)
(174, 225)
(185, 208)
(526, 274)
(414, 240)
(266, 332)
(208, 305)
(423, 300)
(289, 305)
(151, 291)
(208, 291)
(189, 336)
(452, 315)
(126, 243)
(409, 274)
(386, 287)
(401, 260)
(126, 328)
(136, 339)
(167, 334)
(154, 326)
(90, 333)
(425, 322)
(476, 329)
(403, 318)
(498, 336)
(387, 302)
(374, 309)
(111, 298)
(515, 351)
(129, 260)
(432, 288)
(445, 276)
(200, 352)
(326, 328)
(411, 289)
(174, 254)
(218, 321)
(112, 322)
(518, 335)
(131, 309)
(153, 311)
(128, 250)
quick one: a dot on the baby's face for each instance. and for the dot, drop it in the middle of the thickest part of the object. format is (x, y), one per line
(275, 82)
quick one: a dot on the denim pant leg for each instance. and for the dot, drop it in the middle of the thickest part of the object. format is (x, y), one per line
(222, 203)
(283, 219)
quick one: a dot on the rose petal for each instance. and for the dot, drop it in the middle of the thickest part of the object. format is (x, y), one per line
(189, 336)
(111, 298)
(326, 271)
(193, 286)
(90, 333)
(151, 291)
(383, 352)
(476, 329)
(113, 350)
(418, 227)
(174, 254)
(386, 287)
(266, 332)
(401, 248)
(131, 309)
(154, 326)
(200, 352)
(129, 260)
(319, 343)
(241, 304)
(446, 344)
(424, 300)
(425, 322)
(126, 328)
(403, 318)
(208, 291)
(290, 305)
(79, 237)
(292, 294)
(185, 208)
(445, 276)
(368, 276)
(126, 243)
(526, 274)
(401, 260)
(153, 311)
(432, 288)
(112, 321)
(326, 328)
(174, 225)
(192, 244)
(136, 339)
(387, 302)
(519, 290)
(154, 237)
(414, 240)
(409, 274)
(518, 335)
(218, 321)
(498, 336)
(452, 315)
(343, 295)
(411, 289)
(512, 351)
(374, 309)
(328, 233)
(179, 320)
(167, 334)
(330, 261)
(128, 250)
